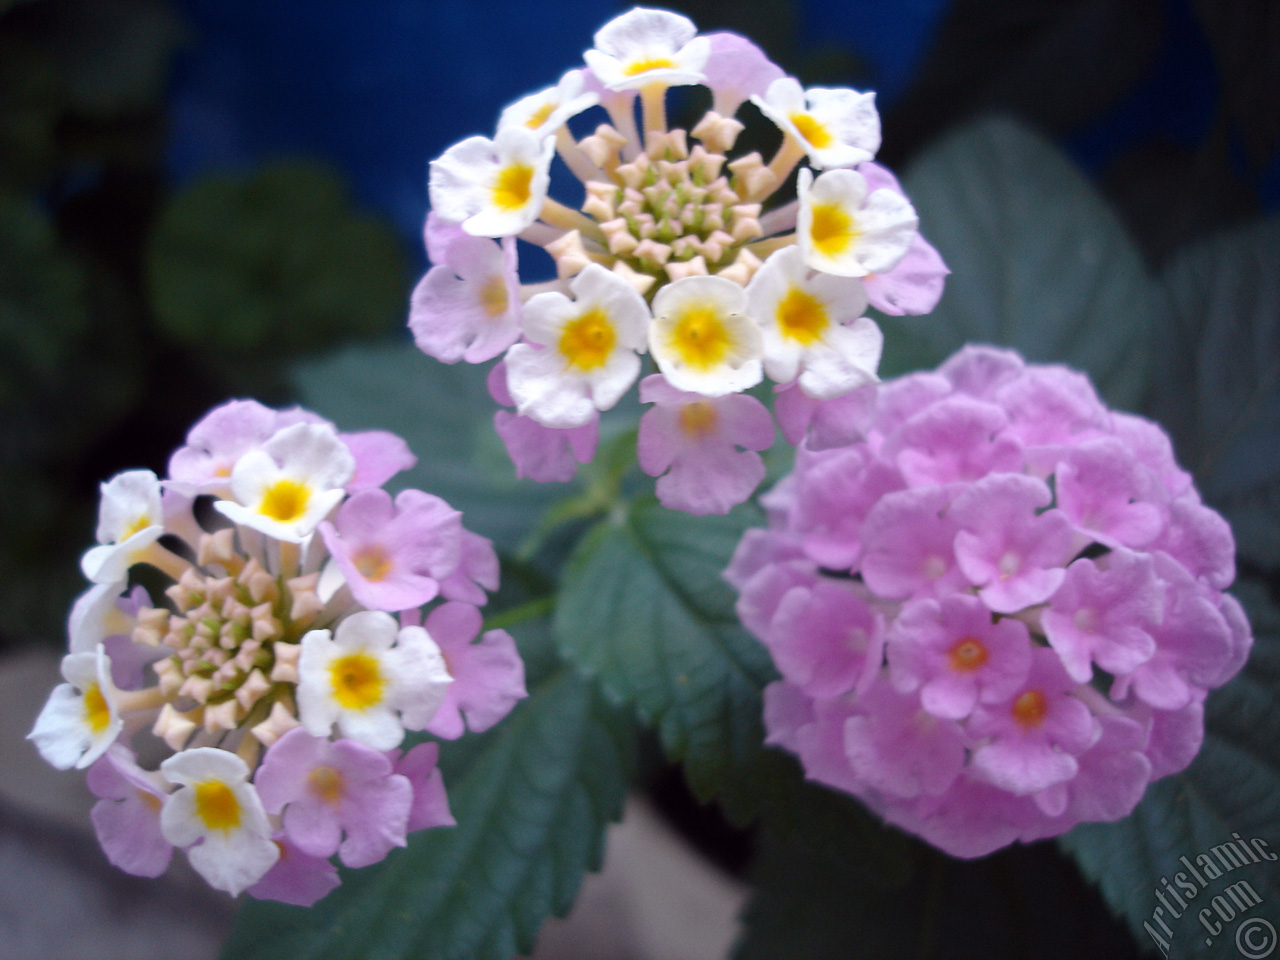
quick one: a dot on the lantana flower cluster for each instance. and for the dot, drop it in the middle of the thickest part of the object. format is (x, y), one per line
(682, 251)
(253, 712)
(998, 612)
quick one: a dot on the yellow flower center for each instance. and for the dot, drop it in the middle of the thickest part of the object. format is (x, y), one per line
(813, 131)
(96, 712)
(700, 338)
(637, 67)
(1030, 708)
(357, 681)
(511, 189)
(967, 655)
(285, 501)
(139, 524)
(802, 317)
(326, 785)
(698, 419)
(539, 116)
(832, 230)
(373, 563)
(217, 806)
(587, 342)
(493, 297)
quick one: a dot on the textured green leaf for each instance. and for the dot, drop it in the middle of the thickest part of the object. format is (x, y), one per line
(1218, 383)
(644, 608)
(276, 263)
(531, 802)
(446, 416)
(1038, 260)
(1233, 786)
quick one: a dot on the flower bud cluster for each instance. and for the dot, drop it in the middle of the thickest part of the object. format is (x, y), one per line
(682, 251)
(998, 612)
(309, 620)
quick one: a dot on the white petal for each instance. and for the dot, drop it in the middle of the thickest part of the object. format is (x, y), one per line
(421, 678)
(846, 360)
(204, 763)
(130, 501)
(368, 629)
(457, 178)
(376, 727)
(888, 223)
(95, 616)
(234, 863)
(545, 315)
(317, 710)
(545, 390)
(312, 453)
(331, 581)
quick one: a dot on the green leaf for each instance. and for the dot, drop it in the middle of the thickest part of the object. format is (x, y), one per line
(446, 416)
(273, 264)
(531, 802)
(1218, 386)
(644, 608)
(1233, 786)
(1038, 260)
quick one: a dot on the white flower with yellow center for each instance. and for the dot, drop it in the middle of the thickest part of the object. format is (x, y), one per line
(702, 338)
(82, 717)
(130, 519)
(370, 677)
(645, 46)
(494, 188)
(289, 485)
(844, 231)
(582, 354)
(813, 327)
(545, 112)
(217, 815)
(837, 127)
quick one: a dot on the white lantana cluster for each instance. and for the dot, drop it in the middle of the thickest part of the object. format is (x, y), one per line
(252, 714)
(680, 251)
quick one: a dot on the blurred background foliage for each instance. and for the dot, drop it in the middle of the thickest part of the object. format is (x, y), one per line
(202, 199)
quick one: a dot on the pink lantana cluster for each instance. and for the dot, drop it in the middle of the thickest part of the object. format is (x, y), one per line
(682, 252)
(998, 612)
(253, 712)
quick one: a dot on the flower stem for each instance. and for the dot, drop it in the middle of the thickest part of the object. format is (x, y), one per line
(784, 161)
(558, 215)
(653, 101)
(577, 161)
